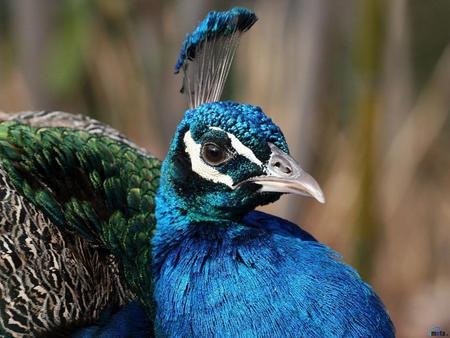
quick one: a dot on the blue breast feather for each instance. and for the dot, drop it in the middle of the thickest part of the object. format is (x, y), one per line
(263, 277)
(130, 321)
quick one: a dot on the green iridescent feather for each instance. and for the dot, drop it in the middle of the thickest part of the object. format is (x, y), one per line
(90, 184)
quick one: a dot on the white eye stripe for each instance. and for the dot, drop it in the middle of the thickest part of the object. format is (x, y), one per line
(199, 166)
(240, 148)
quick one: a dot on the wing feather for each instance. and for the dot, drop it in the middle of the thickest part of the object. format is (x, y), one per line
(73, 204)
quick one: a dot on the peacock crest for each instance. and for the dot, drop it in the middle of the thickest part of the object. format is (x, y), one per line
(207, 54)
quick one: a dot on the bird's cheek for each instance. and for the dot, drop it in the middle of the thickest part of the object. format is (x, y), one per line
(241, 170)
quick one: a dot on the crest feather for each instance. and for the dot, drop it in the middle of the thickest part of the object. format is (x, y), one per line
(207, 53)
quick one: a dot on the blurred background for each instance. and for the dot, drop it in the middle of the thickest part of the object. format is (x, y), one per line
(361, 90)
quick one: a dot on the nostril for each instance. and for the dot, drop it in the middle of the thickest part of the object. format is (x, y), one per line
(282, 167)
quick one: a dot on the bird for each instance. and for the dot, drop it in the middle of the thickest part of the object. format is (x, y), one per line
(100, 238)
(221, 268)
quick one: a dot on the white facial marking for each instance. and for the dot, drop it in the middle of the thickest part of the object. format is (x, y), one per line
(200, 167)
(240, 148)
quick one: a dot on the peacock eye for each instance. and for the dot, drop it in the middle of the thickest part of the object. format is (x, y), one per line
(213, 154)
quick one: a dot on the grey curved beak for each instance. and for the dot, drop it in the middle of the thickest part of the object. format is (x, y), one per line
(284, 175)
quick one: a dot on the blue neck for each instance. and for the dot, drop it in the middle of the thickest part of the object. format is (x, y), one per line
(171, 217)
(176, 221)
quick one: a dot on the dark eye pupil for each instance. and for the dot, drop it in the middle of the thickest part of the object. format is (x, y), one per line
(212, 154)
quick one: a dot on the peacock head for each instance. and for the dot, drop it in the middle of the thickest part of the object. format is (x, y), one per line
(227, 158)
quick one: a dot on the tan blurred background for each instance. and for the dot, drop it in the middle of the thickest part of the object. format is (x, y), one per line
(360, 88)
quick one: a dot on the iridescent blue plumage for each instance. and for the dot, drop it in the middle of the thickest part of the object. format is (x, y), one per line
(130, 321)
(222, 269)
(245, 120)
(215, 24)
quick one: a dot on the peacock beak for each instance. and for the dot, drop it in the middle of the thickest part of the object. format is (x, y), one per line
(284, 175)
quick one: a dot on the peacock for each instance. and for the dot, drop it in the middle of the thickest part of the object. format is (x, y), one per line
(100, 238)
(220, 268)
